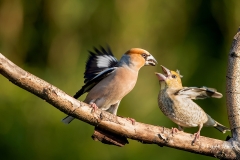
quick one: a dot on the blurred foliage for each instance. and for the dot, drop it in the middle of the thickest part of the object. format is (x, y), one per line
(50, 39)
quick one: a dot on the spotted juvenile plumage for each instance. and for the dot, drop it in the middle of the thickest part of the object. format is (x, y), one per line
(175, 101)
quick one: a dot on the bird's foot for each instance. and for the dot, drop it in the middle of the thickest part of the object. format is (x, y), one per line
(196, 137)
(174, 130)
(94, 107)
(132, 120)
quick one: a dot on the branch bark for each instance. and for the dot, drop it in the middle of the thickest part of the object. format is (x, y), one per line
(233, 92)
(144, 133)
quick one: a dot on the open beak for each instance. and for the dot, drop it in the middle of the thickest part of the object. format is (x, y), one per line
(166, 71)
(151, 61)
(165, 75)
(160, 76)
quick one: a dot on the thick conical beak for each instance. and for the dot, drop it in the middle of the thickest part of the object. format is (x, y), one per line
(160, 76)
(165, 75)
(166, 71)
(151, 61)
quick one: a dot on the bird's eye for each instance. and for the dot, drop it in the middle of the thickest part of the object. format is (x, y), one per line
(174, 76)
(144, 55)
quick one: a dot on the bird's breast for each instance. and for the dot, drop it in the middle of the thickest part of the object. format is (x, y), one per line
(113, 88)
(165, 103)
(182, 111)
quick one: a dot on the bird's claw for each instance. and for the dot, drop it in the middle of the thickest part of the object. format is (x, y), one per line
(174, 130)
(94, 107)
(196, 137)
(132, 120)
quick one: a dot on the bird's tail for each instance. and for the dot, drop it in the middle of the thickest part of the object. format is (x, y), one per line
(67, 119)
(221, 127)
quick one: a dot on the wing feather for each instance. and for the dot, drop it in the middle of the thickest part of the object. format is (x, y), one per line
(199, 92)
(100, 64)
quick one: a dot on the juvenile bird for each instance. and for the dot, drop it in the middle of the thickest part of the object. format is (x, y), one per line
(175, 101)
(108, 80)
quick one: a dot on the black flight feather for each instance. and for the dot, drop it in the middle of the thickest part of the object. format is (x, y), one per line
(99, 65)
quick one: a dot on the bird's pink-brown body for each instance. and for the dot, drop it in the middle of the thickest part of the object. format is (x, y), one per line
(118, 80)
(110, 91)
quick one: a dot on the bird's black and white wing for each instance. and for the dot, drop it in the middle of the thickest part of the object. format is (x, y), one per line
(98, 61)
(100, 64)
(199, 92)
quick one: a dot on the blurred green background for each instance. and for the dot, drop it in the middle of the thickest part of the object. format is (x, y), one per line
(50, 39)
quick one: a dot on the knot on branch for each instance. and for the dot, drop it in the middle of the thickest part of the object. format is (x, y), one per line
(234, 55)
(235, 145)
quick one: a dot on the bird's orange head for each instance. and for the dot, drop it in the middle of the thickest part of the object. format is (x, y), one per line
(138, 58)
(169, 79)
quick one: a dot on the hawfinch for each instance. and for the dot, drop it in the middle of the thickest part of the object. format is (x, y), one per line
(175, 101)
(108, 80)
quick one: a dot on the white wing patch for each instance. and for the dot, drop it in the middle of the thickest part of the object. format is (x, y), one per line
(104, 61)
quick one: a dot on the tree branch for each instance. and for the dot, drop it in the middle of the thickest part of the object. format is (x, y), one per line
(233, 92)
(141, 132)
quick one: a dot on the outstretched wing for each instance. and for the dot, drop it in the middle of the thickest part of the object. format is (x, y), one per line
(100, 64)
(199, 92)
(99, 61)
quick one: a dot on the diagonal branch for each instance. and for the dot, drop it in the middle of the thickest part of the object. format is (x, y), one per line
(144, 133)
(141, 132)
